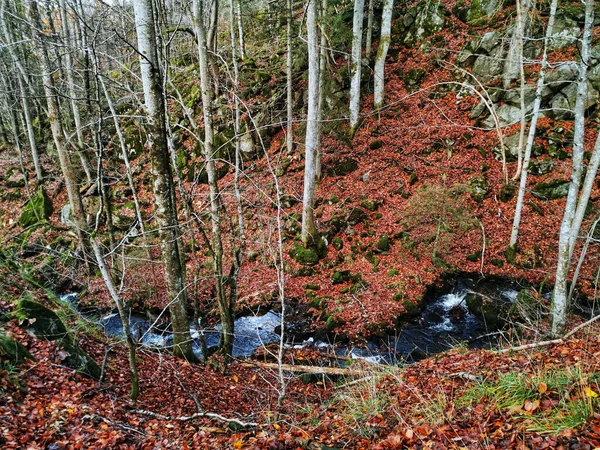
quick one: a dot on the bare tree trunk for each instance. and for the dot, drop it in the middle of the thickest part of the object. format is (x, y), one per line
(384, 45)
(309, 229)
(163, 182)
(514, 58)
(123, 315)
(73, 93)
(559, 301)
(356, 63)
(514, 236)
(290, 87)
(24, 95)
(369, 37)
(225, 307)
(322, 69)
(54, 117)
(241, 29)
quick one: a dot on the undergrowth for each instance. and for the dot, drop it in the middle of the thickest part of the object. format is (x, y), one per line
(549, 402)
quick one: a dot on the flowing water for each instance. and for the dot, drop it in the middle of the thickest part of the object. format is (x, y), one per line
(444, 322)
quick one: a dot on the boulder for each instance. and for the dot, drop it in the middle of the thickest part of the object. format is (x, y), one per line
(563, 103)
(551, 190)
(507, 115)
(479, 188)
(37, 209)
(476, 10)
(342, 167)
(247, 146)
(45, 324)
(12, 350)
(563, 74)
(565, 33)
(421, 21)
(488, 67)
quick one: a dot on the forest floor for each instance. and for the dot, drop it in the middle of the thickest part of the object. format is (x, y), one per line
(545, 397)
(421, 156)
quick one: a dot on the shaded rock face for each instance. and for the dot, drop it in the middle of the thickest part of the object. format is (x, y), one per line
(37, 209)
(421, 21)
(477, 10)
(45, 324)
(551, 190)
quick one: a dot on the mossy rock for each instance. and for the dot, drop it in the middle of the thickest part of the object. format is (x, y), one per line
(342, 168)
(369, 205)
(357, 216)
(527, 306)
(12, 350)
(410, 309)
(38, 208)
(551, 190)
(413, 78)
(507, 192)
(474, 256)
(312, 286)
(333, 322)
(383, 244)
(337, 243)
(479, 188)
(492, 313)
(202, 177)
(47, 325)
(282, 167)
(542, 167)
(303, 255)
(375, 145)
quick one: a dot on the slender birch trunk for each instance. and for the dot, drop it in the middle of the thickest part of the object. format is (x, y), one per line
(123, 315)
(58, 135)
(384, 45)
(240, 23)
(369, 34)
(309, 229)
(289, 75)
(356, 63)
(559, 300)
(226, 309)
(73, 93)
(514, 235)
(23, 94)
(322, 69)
(163, 181)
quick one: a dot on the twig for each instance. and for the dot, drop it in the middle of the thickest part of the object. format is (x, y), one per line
(143, 412)
(552, 341)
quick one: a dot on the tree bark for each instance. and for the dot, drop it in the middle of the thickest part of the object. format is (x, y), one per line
(226, 309)
(369, 36)
(73, 94)
(24, 95)
(241, 29)
(163, 181)
(356, 63)
(290, 87)
(58, 135)
(560, 297)
(384, 45)
(309, 229)
(322, 69)
(514, 236)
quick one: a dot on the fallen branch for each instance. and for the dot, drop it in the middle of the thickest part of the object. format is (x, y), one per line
(552, 341)
(310, 369)
(210, 415)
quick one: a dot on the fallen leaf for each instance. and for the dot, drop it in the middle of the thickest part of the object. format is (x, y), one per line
(589, 392)
(543, 387)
